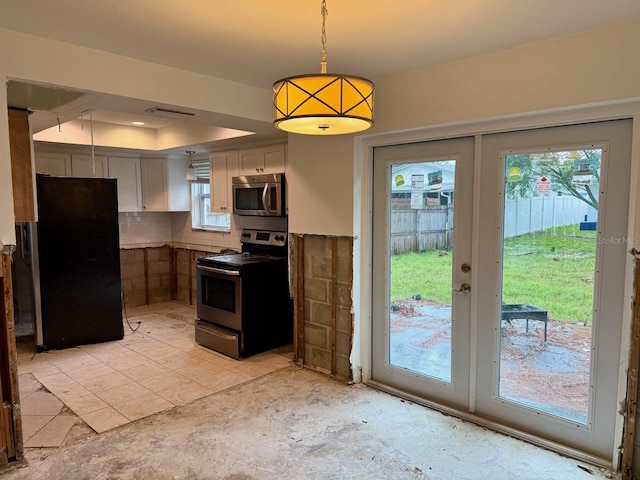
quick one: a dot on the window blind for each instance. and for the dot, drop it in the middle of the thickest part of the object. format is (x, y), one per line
(201, 169)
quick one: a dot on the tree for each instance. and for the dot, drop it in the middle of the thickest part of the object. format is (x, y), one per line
(559, 168)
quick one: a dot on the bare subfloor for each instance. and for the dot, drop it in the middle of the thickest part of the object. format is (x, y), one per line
(296, 424)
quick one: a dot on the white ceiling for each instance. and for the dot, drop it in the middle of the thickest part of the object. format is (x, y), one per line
(257, 42)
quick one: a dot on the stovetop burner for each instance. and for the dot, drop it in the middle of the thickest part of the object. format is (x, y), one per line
(258, 246)
(238, 259)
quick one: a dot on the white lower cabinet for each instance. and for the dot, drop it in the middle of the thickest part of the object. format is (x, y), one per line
(127, 172)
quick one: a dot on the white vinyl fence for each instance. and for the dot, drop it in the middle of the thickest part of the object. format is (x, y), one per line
(527, 215)
(432, 227)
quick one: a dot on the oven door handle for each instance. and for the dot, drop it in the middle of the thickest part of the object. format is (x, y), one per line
(265, 203)
(219, 270)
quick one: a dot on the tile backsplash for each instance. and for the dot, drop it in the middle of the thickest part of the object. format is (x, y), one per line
(144, 228)
(154, 229)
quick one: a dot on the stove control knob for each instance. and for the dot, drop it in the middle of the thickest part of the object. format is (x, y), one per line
(246, 235)
(280, 238)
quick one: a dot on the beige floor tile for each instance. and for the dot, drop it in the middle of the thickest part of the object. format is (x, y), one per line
(74, 395)
(180, 360)
(252, 370)
(31, 424)
(162, 351)
(142, 343)
(53, 433)
(187, 328)
(212, 377)
(144, 406)
(97, 348)
(41, 403)
(39, 368)
(185, 393)
(104, 419)
(27, 384)
(200, 369)
(134, 401)
(124, 394)
(84, 403)
(103, 382)
(163, 381)
(149, 369)
(88, 372)
(222, 382)
(61, 385)
(155, 329)
(108, 351)
(72, 358)
(125, 360)
(213, 357)
(167, 321)
(183, 344)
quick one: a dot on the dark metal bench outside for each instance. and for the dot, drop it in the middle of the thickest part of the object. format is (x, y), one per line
(524, 311)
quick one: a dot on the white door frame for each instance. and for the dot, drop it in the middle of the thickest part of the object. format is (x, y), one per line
(363, 177)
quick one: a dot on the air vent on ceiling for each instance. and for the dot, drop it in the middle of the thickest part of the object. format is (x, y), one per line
(169, 112)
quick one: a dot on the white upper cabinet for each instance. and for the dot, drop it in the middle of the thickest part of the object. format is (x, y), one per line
(88, 166)
(222, 166)
(256, 161)
(54, 164)
(164, 184)
(127, 172)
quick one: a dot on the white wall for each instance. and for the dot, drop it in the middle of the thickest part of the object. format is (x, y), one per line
(29, 58)
(183, 236)
(7, 217)
(588, 68)
(320, 179)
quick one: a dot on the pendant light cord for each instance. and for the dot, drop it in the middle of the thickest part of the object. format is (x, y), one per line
(323, 38)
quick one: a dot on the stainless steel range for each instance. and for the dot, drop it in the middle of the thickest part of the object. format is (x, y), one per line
(244, 306)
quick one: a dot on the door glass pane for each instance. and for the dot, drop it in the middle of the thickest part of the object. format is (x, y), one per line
(421, 227)
(548, 273)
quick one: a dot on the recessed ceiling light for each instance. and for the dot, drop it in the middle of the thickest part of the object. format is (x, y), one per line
(137, 123)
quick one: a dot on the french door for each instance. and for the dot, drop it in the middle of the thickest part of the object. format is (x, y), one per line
(507, 303)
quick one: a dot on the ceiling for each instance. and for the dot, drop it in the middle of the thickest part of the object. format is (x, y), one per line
(257, 42)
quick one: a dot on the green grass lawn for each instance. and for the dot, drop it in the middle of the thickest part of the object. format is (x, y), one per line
(552, 270)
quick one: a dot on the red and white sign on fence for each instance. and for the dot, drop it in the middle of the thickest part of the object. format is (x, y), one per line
(544, 186)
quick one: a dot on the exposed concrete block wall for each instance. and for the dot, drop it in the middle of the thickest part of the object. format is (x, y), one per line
(134, 283)
(159, 274)
(322, 276)
(147, 275)
(185, 269)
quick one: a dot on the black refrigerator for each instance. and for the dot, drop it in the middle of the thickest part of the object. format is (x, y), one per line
(78, 259)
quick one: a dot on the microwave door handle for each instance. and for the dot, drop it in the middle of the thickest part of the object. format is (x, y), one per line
(266, 199)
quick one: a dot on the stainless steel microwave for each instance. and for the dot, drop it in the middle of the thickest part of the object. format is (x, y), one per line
(259, 195)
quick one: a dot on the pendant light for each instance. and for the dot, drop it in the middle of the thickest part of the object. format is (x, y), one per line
(191, 171)
(324, 103)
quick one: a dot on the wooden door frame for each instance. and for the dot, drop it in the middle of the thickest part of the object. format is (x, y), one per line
(11, 445)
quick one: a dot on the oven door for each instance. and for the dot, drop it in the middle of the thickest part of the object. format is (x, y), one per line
(220, 296)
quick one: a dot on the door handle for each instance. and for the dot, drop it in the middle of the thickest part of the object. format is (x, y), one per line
(464, 288)
(266, 200)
